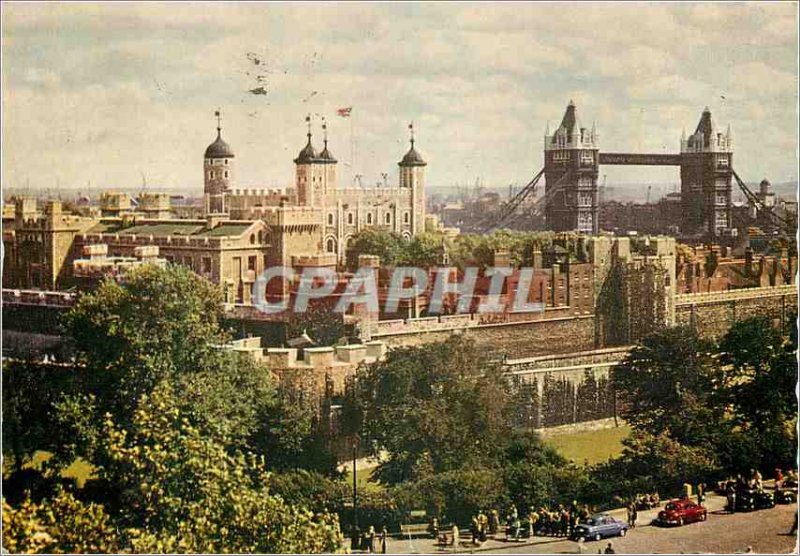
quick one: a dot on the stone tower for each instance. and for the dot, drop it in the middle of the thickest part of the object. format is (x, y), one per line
(706, 172)
(218, 173)
(315, 173)
(412, 176)
(571, 170)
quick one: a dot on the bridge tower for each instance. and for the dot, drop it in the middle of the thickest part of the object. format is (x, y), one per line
(571, 170)
(706, 172)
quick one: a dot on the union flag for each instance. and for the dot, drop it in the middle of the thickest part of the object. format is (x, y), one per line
(344, 112)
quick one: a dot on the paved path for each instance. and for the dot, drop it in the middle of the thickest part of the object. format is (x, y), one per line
(721, 533)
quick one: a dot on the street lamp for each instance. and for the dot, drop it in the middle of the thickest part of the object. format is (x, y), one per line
(356, 532)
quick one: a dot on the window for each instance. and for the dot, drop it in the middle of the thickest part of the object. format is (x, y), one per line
(388, 218)
(206, 265)
(261, 236)
(369, 218)
(330, 245)
(350, 218)
(226, 173)
(251, 263)
(722, 162)
(587, 157)
(560, 156)
(330, 219)
(226, 162)
(187, 261)
(406, 217)
(252, 239)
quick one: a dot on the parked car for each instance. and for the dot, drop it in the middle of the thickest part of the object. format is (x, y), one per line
(786, 493)
(748, 500)
(680, 511)
(599, 526)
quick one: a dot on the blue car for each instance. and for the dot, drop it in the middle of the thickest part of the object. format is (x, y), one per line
(600, 526)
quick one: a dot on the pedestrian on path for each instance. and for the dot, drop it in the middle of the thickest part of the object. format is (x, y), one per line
(384, 539)
(371, 540)
(610, 549)
(494, 522)
(793, 530)
(456, 536)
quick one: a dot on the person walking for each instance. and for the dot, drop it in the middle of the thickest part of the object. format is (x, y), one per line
(701, 493)
(384, 539)
(634, 516)
(494, 522)
(371, 540)
(610, 549)
(793, 530)
(474, 529)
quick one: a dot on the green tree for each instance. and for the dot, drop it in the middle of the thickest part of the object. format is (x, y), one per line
(59, 525)
(159, 324)
(184, 492)
(669, 385)
(761, 377)
(388, 246)
(444, 404)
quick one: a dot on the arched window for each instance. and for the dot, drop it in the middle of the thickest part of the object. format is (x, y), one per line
(330, 245)
(406, 217)
(226, 162)
(261, 236)
(369, 218)
(226, 173)
(350, 218)
(330, 219)
(388, 217)
(252, 239)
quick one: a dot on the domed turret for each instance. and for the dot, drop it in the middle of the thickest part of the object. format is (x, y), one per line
(219, 148)
(412, 157)
(217, 171)
(326, 156)
(308, 154)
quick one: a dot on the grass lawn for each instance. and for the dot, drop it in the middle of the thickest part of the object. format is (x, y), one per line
(590, 446)
(78, 469)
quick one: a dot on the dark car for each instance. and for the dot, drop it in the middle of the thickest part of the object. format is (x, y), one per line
(786, 492)
(600, 526)
(683, 510)
(749, 499)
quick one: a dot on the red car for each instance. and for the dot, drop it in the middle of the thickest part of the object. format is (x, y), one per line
(680, 511)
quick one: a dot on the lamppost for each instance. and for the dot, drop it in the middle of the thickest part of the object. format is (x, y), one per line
(356, 533)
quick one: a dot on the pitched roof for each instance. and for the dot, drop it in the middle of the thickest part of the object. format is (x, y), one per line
(704, 126)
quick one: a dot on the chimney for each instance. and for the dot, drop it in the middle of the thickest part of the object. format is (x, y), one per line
(536, 258)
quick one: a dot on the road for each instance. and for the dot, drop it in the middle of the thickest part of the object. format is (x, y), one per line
(764, 531)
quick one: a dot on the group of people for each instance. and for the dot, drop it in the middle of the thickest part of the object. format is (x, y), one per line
(646, 501)
(372, 541)
(558, 522)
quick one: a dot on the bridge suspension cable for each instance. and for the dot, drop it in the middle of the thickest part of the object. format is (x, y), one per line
(507, 209)
(753, 198)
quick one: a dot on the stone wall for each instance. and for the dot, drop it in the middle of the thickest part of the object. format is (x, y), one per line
(513, 339)
(712, 314)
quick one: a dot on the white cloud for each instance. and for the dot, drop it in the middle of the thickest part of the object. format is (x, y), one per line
(100, 93)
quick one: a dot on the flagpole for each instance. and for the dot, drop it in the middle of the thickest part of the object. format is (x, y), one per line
(352, 152)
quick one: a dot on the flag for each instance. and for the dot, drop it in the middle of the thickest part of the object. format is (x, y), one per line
(344, 112)
(216, 113)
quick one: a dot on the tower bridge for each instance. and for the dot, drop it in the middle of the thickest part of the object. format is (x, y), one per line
(572, 159)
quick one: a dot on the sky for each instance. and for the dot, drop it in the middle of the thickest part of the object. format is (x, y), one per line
(111, 96)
